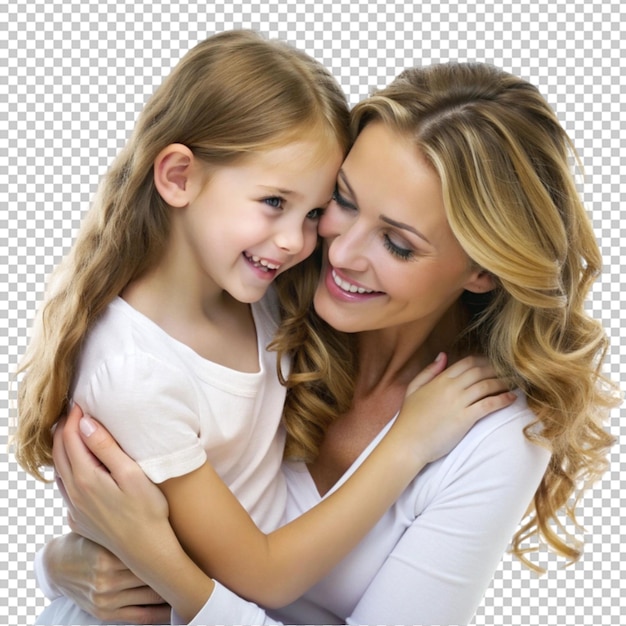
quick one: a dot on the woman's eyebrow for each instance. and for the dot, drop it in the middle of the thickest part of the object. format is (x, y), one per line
(403, 226)
(382, 217)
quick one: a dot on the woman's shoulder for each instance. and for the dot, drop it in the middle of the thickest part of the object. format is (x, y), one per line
(509, 433)
(502, 451)
(507, 424)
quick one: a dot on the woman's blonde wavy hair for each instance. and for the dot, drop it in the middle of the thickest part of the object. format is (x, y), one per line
(504, 162)
(233, 94)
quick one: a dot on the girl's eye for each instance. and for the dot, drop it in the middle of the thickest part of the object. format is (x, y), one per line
(402, 253)
(341, 201)
(315, 214)
(275, 202)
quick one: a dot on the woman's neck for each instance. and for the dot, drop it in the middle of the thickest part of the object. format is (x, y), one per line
(394, 356)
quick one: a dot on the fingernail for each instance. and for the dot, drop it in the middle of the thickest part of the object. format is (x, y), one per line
(439, 357)
(86, 425)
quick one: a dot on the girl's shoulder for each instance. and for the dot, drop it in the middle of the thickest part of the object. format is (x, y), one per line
(126, 346)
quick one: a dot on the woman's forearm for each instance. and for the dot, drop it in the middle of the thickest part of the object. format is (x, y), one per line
(46, 560)
(161, 563)
(226, 607)
(111, 502)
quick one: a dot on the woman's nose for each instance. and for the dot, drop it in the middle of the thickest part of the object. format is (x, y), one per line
(348, 250)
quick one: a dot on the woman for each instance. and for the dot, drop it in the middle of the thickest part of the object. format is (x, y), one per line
(456, 226)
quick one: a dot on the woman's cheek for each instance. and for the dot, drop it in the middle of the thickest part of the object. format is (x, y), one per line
(330, 223)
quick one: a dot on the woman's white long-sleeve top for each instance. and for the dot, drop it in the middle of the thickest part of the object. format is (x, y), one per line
(432, 556)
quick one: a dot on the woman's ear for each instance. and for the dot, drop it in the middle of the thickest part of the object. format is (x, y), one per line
(481, 281)
(173, 171)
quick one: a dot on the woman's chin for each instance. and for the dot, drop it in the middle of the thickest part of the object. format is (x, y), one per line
(333, 314)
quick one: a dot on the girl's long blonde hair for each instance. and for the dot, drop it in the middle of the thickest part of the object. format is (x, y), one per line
(231, 95)
(510, 197)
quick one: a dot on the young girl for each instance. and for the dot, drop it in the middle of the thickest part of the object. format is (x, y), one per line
(160, 315)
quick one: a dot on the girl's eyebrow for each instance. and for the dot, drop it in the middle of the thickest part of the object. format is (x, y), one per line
(284, 192)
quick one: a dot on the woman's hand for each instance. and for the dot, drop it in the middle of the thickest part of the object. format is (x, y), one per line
(113, 503)
(99, 583)
(441, 405)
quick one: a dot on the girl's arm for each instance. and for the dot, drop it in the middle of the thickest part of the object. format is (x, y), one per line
(218, 534)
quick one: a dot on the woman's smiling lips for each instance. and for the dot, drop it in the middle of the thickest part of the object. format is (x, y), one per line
(341, 288)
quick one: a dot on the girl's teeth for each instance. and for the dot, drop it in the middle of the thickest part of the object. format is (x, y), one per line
(259, 261)
(346, 286)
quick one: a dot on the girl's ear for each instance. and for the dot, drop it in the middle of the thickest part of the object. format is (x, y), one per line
(174, 168)
(481, 281)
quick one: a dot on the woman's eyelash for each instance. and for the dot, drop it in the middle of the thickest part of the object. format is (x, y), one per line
(401, 253)
(341, 201)
(404, 254)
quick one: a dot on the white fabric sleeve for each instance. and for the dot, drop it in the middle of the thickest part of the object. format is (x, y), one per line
(444, 562)
(150, 407)
(226, 607)
(41, 576)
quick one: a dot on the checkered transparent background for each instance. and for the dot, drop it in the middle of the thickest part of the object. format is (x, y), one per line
(73, 77)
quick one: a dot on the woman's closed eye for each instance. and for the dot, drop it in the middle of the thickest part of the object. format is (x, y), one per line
(342, 201)
(405, 254)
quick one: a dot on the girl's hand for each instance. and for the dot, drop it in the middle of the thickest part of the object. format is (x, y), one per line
(441, 406)
(99, 583)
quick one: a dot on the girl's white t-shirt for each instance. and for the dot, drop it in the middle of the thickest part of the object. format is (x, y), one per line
(171, 409)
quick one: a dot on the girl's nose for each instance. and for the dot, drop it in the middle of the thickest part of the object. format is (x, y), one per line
(290, 239)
